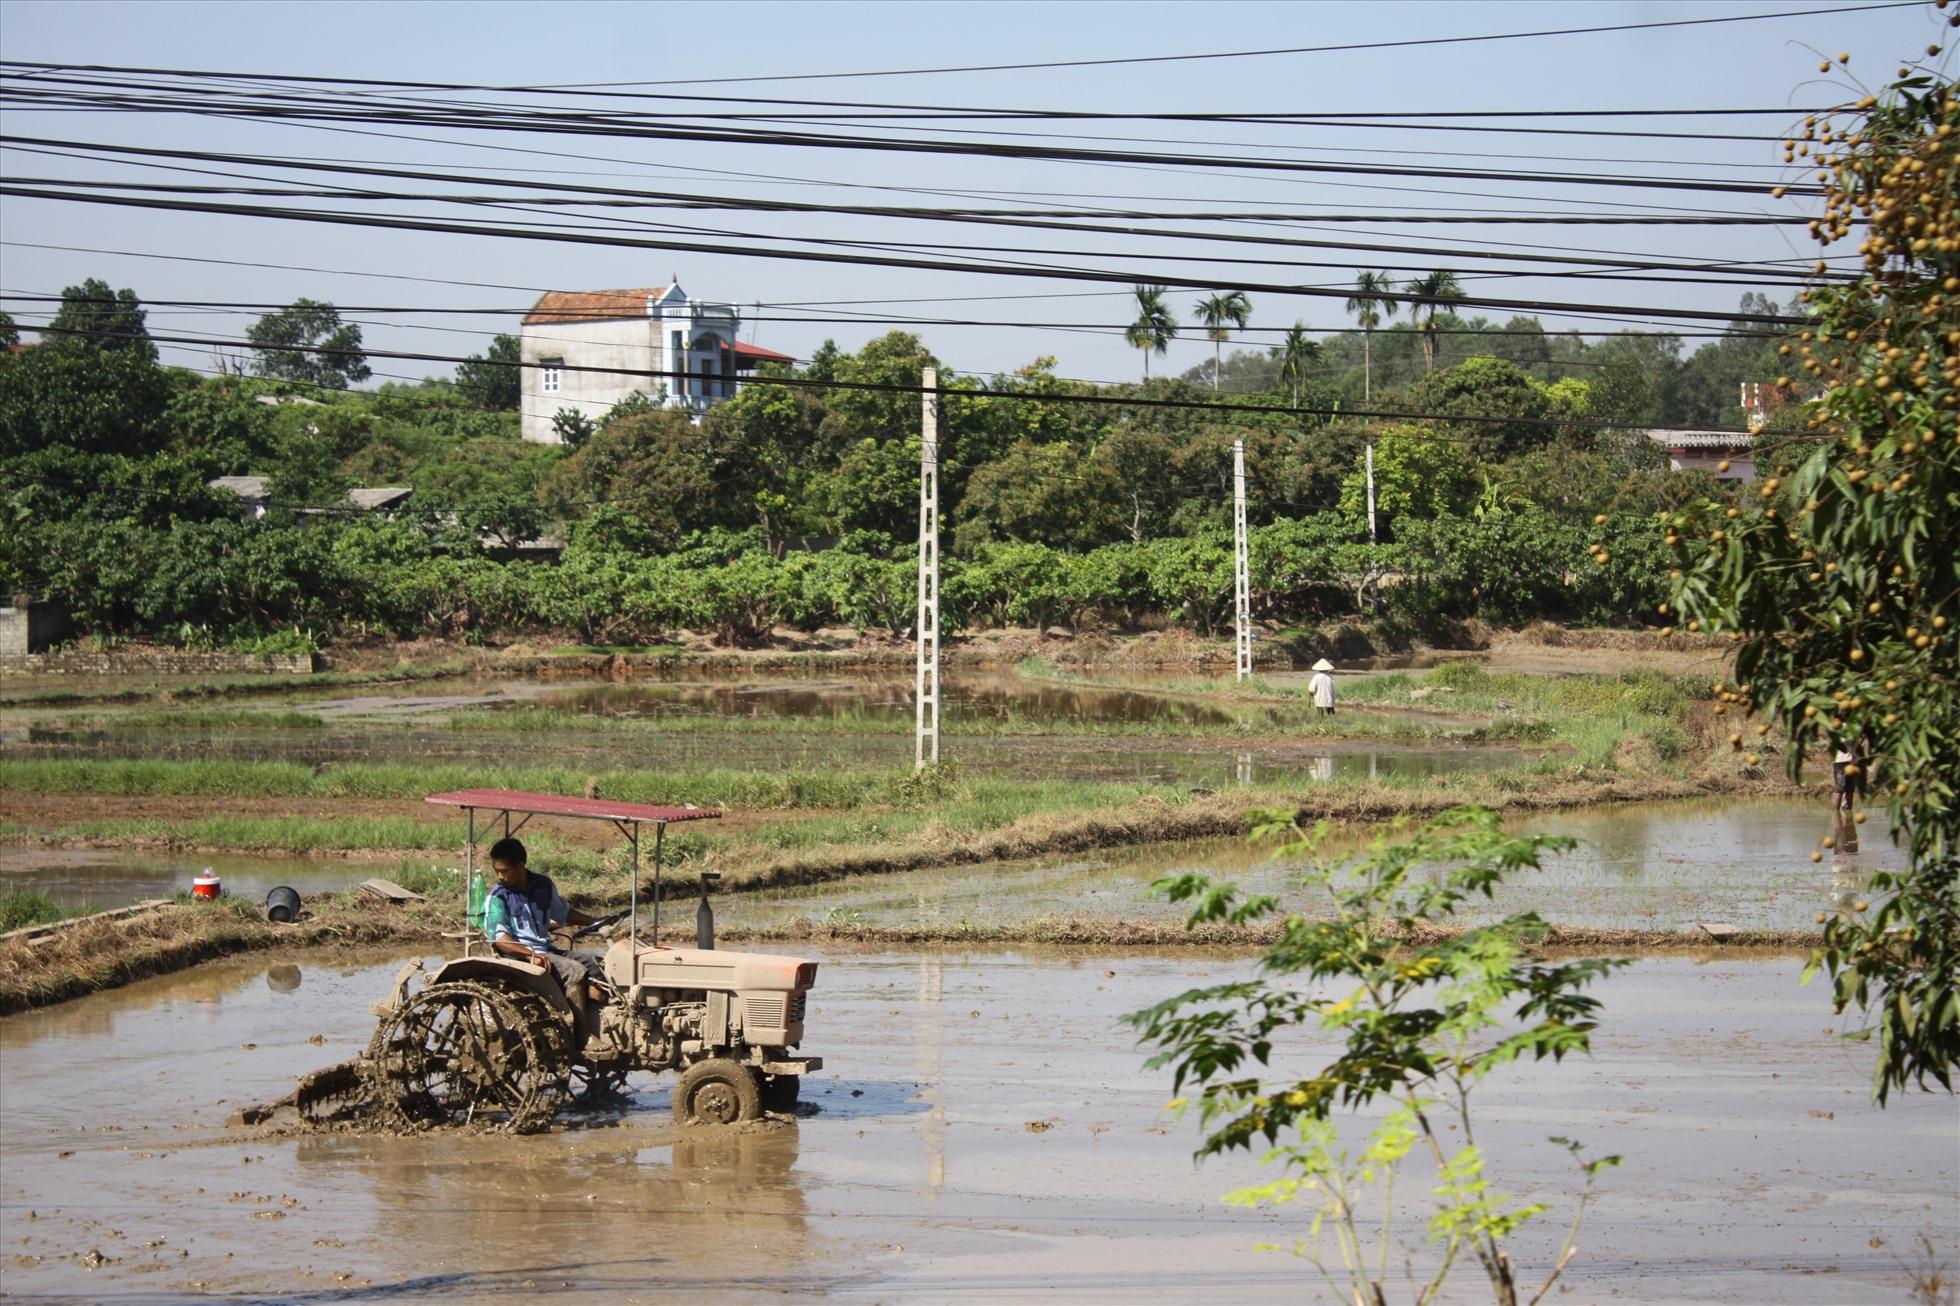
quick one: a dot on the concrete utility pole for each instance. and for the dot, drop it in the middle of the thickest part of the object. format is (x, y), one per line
(1373, 589)
(927, 696)
(1371, 493)
(1241, 564)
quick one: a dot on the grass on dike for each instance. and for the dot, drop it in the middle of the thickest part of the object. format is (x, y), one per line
(20, 908)
(842, 814)
(240, 685)
(1591, 714)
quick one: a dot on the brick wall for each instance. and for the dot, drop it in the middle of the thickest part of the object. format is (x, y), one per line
(169, 664)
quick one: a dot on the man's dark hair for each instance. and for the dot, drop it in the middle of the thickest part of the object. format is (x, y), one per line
(509, 850)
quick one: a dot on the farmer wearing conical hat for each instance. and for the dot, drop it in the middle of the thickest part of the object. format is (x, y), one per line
(1321, 688)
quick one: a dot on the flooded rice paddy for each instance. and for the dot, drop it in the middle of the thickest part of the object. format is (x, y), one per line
(983, 1131)
(1662, 867)
(1667, 867)
(1079, 733)
(79, 879)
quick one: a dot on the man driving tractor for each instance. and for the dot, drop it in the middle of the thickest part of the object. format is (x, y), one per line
(518, 916)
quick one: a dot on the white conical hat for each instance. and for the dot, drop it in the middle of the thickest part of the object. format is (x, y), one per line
(1323, 665)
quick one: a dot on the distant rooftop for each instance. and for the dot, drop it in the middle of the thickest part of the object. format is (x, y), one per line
(383, 496)
(1702, 439)
(604, 305)
(245, 487)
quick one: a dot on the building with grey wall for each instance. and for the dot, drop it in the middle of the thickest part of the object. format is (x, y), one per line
(585, 350)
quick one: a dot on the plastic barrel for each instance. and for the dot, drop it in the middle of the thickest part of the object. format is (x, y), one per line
(282, 905)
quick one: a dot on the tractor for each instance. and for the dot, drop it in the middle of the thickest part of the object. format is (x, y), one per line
(490, 1041)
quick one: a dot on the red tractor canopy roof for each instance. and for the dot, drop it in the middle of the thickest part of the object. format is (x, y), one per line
(595, 809)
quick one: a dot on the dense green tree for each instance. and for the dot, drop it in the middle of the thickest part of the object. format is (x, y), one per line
(307, 342)
(70, 392)
(1480, 390)
(572, 427)
(1420, 475)
(1141, 466)
(493, 379)
(1040, 493)
(656, 467)
(95, 314)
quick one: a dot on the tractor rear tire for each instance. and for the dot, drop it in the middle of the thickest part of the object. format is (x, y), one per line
(780, 1093)
(717, 1091)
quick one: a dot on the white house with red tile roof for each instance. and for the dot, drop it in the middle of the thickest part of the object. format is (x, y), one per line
(588, 349)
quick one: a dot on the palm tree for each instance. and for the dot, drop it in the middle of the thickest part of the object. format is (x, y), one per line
(1369, 308)
(1219, 314)
(1297, 352)
(1431, 293)
(1155, 326)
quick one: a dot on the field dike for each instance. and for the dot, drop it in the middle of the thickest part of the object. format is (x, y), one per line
(87, 957)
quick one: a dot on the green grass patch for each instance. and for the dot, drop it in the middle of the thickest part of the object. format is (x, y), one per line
(290, 834)
(241, 686)
(20, 908)
(1593, 716)
(218, 778)
(194, 720)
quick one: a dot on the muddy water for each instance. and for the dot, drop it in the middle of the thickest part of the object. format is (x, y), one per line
(1755, 1168)
(873, 713)
(1660, 867)
(114, 878)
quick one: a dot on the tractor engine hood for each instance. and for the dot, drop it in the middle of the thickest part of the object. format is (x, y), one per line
(708, 968)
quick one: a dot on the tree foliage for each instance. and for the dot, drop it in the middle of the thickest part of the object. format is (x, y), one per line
(493, 379)
(1421, 1016)
(1839, 579)
(307, 342)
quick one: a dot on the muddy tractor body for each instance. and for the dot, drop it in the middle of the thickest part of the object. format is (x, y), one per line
(488, 1040)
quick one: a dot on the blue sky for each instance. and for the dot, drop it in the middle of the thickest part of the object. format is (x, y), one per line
(1754, 65)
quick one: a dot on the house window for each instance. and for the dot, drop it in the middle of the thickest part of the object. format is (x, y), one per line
(549, 372)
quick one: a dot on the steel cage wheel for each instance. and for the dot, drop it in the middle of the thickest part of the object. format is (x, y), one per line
(466, 1054)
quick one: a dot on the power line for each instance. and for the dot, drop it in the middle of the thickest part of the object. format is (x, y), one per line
(596, 125)
(1011, 268)
(615, 194)
(1248, 54)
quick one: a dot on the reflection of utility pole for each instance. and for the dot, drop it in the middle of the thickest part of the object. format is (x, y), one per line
(1241, 568)
(932, 978)
(927, 695)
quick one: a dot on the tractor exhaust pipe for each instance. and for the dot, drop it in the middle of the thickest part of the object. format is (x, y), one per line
(704, 915)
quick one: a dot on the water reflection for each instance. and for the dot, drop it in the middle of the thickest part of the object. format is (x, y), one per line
(503, 1209)
(105, 878)
(1656, 867)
